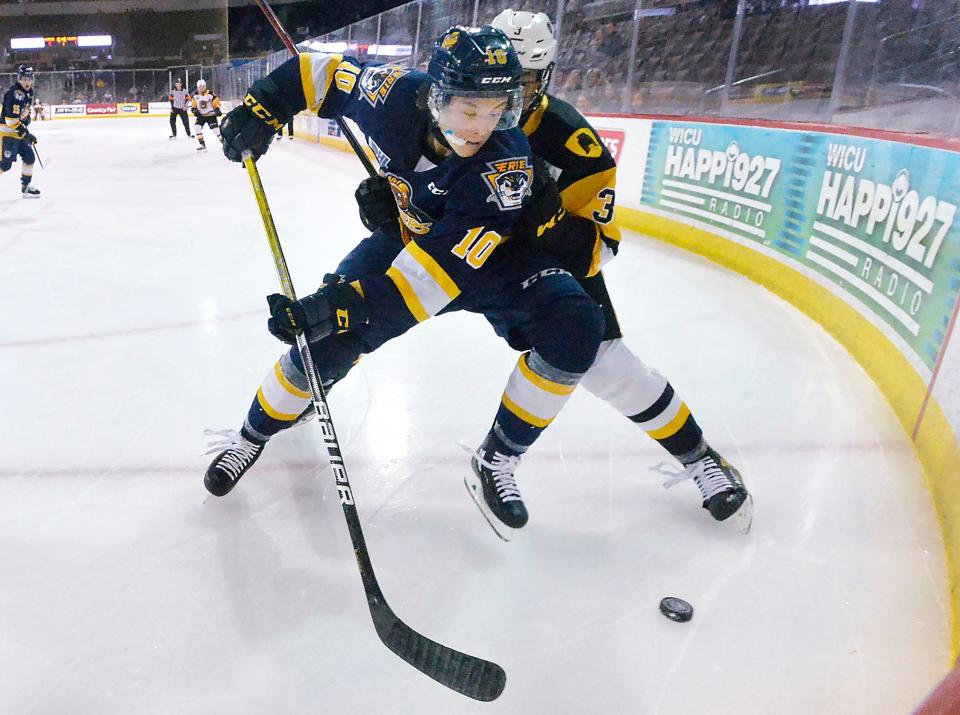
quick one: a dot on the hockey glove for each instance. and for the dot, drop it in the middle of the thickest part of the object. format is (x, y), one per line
(376, 203)
(335, 308)
(253, 124)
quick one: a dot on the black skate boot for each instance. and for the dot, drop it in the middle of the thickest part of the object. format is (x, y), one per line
(236, 455)
(720, 485)
(29, 192)
(494, 488)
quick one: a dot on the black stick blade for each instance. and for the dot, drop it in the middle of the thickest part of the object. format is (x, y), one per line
(474, 677)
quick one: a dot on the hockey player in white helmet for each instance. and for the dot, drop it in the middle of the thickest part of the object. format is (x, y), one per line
(532, 38)
(206, 109)
(578, 227)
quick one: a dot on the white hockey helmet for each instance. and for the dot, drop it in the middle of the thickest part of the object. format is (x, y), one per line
(532, 38)
(201, 84)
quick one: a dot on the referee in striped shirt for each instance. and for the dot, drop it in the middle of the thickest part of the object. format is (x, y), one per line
(178, 108)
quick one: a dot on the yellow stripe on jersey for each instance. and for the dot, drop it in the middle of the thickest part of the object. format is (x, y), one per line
(316, 75)
(582, 197)
(533, 122)
(425, 286)
(286, 384)
(433, 268)
(674, 425)
(543, 383)
(523, 414)
(407, 293)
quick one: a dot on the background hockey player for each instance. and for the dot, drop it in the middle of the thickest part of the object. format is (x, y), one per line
(179, 98)
(460, 172)
(15, 138)
(573, 219)
(206, 109)
(39, 109)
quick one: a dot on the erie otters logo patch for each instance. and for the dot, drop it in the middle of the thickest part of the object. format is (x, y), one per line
(413, 218)
(509, 181)
(450, 41)
(376, 82)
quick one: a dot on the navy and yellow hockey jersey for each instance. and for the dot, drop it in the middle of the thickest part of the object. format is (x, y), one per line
(16, 111)
(585, 172)
(456, 210)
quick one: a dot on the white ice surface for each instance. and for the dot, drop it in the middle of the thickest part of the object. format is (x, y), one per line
(133, 318)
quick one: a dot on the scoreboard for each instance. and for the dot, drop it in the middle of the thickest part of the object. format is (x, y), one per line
(39, 43)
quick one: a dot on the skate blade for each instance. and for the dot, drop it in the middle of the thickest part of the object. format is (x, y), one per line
(476, 493)
(744, 515)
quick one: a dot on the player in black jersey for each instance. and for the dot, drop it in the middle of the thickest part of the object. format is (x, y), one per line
(578, 227)
(460, 173)
(15, 139)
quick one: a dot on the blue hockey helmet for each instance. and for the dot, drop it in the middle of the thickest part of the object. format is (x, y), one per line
(24, 71)
(476, 62)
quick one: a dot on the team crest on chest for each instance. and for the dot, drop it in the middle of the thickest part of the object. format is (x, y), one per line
(376, 82)
(509, 181)
(413, 218)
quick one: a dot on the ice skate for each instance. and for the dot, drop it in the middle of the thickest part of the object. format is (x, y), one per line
(173, 136)
(721, 488)
(493, 487)
(30, 192)
(236, 455)
(202, 147)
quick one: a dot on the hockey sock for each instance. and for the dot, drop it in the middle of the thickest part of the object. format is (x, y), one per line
(285, 392)
(282, 396)
(535, 394)
(644, 396)
(668, 420)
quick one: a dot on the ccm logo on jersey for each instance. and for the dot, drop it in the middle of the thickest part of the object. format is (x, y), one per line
(509, 181)
(495, 80)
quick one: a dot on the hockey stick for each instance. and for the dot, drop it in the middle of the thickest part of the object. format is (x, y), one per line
(345, 130)
(37, 154)
(476, 678)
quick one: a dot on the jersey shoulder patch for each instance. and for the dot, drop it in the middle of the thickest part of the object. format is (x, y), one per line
(377, 81)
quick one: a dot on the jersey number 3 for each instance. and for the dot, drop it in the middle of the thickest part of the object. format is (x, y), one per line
(605, 214)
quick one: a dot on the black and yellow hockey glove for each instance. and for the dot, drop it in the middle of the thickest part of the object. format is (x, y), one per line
(336, 308)
(252, 125)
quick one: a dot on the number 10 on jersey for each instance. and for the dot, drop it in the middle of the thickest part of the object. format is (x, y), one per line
(476, 246)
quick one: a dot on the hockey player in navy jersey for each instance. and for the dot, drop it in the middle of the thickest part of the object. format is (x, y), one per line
(15, 139)
(574, 222)
(460, 171)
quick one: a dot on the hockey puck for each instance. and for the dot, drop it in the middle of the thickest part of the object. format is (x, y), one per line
(676, 609)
